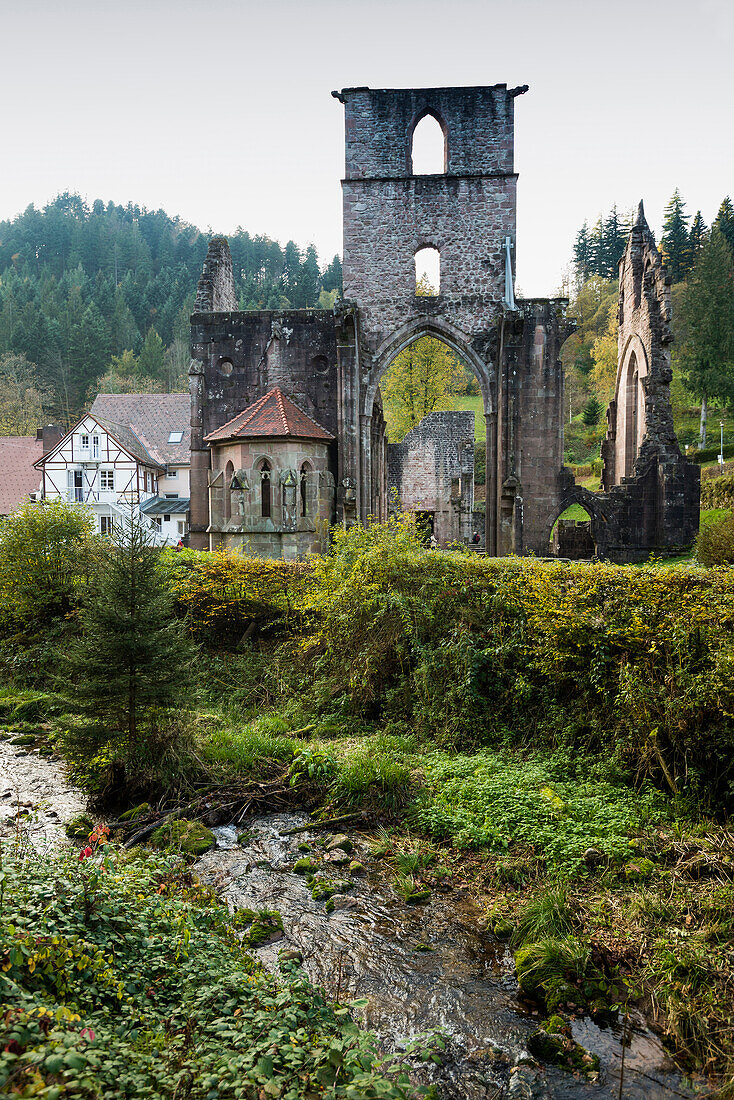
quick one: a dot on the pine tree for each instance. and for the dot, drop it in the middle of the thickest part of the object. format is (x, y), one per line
(697, 235)
(333, 276)
(582, 253)
(152, 360)
(725, 221)
(132, 664)
(707, 313)
(591, 411)
(675, 242)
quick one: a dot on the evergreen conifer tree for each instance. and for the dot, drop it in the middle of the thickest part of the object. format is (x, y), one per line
(132, 663)
(725, 221)
(675, 242)
(707, 309)
(591, 412)
(697, 235)
(152, 359)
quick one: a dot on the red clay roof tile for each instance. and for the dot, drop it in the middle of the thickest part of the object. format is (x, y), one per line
(18, 478)
(273, 415)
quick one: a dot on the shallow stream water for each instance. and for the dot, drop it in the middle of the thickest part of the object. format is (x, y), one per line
(423, 969)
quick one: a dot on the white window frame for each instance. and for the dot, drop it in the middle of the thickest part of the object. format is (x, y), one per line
(95, 446)
(84, 441)
(107, 522)
(105, 477)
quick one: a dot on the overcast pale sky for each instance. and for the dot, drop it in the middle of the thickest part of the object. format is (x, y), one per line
(220, 111)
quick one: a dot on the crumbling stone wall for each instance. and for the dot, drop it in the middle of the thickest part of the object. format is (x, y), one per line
(432, 471)
(237, 356)
(331, 363)
(654, 491)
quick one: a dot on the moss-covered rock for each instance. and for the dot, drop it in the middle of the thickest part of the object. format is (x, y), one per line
(79, 827)
(190, 837)
(303, 866)
(356, 868)
(339, 843)
(136, 812)
(418, 897)
(24, 739)
(554, 1043)
(639, 870)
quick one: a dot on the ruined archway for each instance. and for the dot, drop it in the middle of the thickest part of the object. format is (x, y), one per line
(630, 407)
(374, 455)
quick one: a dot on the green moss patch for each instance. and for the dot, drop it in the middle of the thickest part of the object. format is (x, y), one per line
(190, 837)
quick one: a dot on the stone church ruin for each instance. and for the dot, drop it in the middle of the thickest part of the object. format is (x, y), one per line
(287, 429)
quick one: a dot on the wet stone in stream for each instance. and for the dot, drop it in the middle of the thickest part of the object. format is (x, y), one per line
(423, 969)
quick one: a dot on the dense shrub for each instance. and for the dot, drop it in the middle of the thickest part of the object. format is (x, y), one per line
(710, 454)
(718, 492)
(224, 593)
(45, 553)
(122, 978)
(637, 661)
(715, 542)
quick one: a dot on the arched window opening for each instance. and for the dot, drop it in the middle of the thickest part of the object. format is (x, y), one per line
(428, 148)
(227, 489)
(572, 535)
(305, 471)
(427, 272)
(631, 419)
(265, 489)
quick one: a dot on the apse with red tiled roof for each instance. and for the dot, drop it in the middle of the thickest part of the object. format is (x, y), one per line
(271, 487)
(273, 415)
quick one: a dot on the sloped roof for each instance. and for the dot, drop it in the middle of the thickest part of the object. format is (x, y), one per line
(151, 417)
(272, 415)
(18, 478)
(166, 506)
(129, 440)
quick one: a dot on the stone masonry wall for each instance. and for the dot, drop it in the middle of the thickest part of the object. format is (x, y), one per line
(465, 212)
(432, 470)
(237, 357)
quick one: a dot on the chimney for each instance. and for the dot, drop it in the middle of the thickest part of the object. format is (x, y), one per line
(49, 436)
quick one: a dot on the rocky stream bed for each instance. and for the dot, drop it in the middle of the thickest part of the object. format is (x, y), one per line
(423, 968)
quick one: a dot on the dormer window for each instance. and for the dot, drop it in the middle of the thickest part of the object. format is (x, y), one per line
(175, 437)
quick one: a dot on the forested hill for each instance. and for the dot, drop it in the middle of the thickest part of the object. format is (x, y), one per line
(106, 290)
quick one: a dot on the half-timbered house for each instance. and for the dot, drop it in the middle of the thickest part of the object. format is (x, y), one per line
(130, 452)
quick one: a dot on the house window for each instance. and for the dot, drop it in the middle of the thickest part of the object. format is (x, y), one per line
(175, 437)
(85, 441)
(95, 446)
(75, 486)
(181, 527)
(167, 519)
(107, 480)
(106, 525)
(171, 471)
(171, 496)
(157, 522)
(265, 489)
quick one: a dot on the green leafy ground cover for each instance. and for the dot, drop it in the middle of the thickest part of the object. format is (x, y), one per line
(120, 977)
(526, 726)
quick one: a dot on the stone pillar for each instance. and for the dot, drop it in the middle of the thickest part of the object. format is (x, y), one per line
(200, 462)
